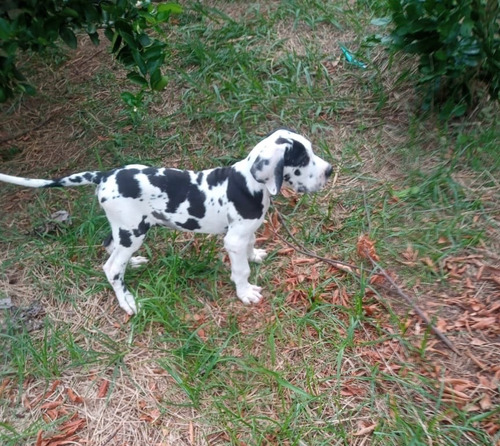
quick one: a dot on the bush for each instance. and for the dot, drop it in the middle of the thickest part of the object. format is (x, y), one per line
(35, 25)
(458, 45)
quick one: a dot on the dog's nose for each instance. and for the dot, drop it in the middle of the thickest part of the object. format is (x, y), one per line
(329, 171)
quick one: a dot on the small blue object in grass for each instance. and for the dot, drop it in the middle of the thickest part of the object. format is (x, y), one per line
(351, 59)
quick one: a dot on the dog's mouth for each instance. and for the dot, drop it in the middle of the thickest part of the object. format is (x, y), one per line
(310, 190)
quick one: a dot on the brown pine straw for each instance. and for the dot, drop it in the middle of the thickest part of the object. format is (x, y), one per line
(354, 271)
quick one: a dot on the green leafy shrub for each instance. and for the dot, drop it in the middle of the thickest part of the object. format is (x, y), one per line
(458, 45)
(35, 25)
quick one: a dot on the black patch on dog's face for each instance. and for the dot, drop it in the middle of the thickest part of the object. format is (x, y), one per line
(281, 141)
(199, 178)
(128, 185)
(257, 166)
(296, 156)
(218, 176)
(190, 224)
(249, 205)
(178, 187)
(125, 238)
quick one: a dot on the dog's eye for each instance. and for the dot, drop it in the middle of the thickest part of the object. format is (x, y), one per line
(297, 172)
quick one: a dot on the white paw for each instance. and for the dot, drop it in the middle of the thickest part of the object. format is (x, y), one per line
(249, 294)
(137, 261)
(127, 303)
(258, 255)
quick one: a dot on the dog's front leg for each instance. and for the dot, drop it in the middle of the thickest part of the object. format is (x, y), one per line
(237, 247)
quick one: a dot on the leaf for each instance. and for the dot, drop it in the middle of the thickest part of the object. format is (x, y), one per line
(39, 438)
(129, 98)
(5, 29)
(161, 84)
(485, 322)
(94, 37)
(366, 248)
(381, 21)
(485, 402)
(51, 404)
(103, 388)
(68, 37)
(137, 79)
(73, 396)
(365, 430)
(165, 10)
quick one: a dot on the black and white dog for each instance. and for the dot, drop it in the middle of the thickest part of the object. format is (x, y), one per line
(231, 200)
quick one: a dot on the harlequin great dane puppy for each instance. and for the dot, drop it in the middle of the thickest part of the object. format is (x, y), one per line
(231, 200)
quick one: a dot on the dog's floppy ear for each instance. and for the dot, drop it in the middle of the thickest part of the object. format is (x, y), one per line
(268, 168)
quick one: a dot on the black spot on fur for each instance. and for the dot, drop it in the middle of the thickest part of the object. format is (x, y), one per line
(142, 228)
(218, 176)
(257, 166)
(55, 183)
(125, 238)
(160, 216)
(176, 184)
(199, 178)
(196, 200)
(190, 224)
(128, 185)
(221, 203)
(278, 173)
(296, 156)
(77, 179)
(249, 205)
(281, 140)
(150, 171)
(107, 241)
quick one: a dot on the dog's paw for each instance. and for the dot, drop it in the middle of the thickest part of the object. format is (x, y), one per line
(258, 255)
(137, 261)
(249, 294)
(128, 304)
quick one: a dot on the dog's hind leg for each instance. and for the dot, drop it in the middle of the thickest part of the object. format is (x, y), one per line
(134, 262)
(116, 265)
(255, 254)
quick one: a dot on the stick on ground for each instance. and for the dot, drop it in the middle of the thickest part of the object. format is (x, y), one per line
(352, 269)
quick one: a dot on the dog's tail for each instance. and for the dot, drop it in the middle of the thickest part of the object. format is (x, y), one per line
(76, 179)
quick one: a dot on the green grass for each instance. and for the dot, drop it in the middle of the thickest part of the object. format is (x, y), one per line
(324, 360)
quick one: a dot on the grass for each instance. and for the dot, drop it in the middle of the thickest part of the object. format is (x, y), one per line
(325, 359)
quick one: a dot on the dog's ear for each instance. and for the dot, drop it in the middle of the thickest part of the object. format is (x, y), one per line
(268, 168)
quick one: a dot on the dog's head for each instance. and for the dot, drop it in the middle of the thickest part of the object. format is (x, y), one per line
(285, 157)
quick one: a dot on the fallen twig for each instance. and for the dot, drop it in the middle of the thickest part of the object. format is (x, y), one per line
(410, 302)
(352, 269)
(343, 266)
